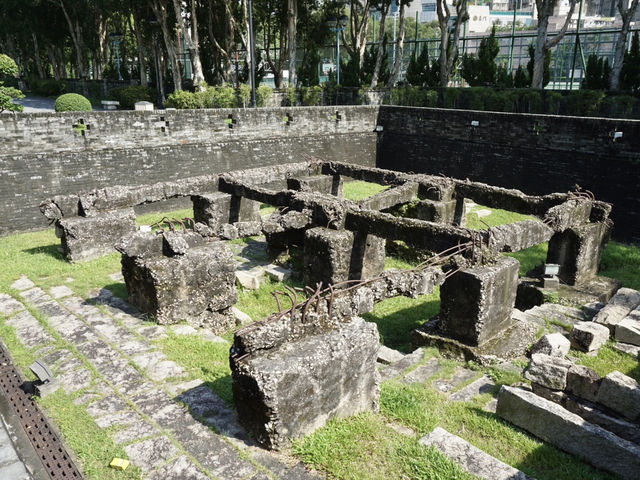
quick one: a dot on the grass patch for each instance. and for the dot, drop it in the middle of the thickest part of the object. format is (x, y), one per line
(608, 360)
(202, 359)
(151, 218)
(396, 317)
(497, 217)
(364, 448)
(260, 303)
(531, 257)
(90, 443)
(622, 262)
(358, 190)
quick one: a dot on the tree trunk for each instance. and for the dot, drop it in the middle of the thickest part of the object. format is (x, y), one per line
(292, 17)
(359, 23)
(627, 15)
(381, 52)
(399, 49)
(75, 38)
(137, 30)
(36, 55)
(191, 38)
(161, 16)
(449, 52)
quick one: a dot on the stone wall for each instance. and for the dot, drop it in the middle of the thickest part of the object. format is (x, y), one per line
(42, 155)
(537, 154)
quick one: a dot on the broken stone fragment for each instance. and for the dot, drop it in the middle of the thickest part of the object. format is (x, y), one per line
(589, 336)
(628, 330)
(548, 371)
(621, 394)
(174, 244)
(621, 304)
(554, 344)
(583, 382)
(227, 232)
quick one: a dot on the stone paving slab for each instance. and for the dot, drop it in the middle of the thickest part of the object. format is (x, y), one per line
(75, 380)
(152, 453)
(460, 376)
(9, 305)
(136, 431)
(106, 406)
(35, 295)
(482, 385)
(179, 469)
(423, 372)
(23, 283)
(60, 291)
(29, 330)
(396, 368)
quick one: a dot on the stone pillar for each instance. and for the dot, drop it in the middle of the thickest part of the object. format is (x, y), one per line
(317, 183)
(434, 211)
(219, 208)
(476, 303)
(578, 251)
(460, 214)
(333, 256)
(86, 238)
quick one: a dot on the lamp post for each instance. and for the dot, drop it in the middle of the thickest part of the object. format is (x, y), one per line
(337, 25)
(116, 38)
(159, 86)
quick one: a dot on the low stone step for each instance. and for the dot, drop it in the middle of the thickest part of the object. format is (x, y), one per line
(569, 432)
(484, 384)
(470, 458)
(388, 355)
(555, 316)
(423, 372)
(397, 368)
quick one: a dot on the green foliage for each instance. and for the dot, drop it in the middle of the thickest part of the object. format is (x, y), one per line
(47, 87)
(311, 96)
(414, 96)
(263, 95)
(182, 99)
(552, 102)
(8, 67)
(521, 78)
(72, 102)
(130, 95)
(244, 95)
(421, 72)
(630, 74)
(546, 75)
(619, 106)
(7, 94)
(369, 66)
(597, 73)
(583, 103)
(219, 97)
(482, 70)
(292, 96)
(623, 263)
(503, 77)
(308, 71)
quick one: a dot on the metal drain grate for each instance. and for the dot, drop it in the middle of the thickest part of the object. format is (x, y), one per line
(50, 450)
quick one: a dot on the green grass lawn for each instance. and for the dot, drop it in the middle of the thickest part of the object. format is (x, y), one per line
(358, 190)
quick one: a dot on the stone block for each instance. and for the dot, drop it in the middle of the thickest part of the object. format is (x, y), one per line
(86, 238)
(277, 273)
(192, 287)
(554, 344)
(583, 382)
(621, 304)
(569, 432)
(216, 209)
(578, 251)
(588, 336)
(327, 255)
(476, 303)
(471, 459)
(313, 183)
(388, 355)
(367, 257)
(432, 211)
(628, 330)
(621, 394)
(291, 390)
(548, 371)
(250, 279)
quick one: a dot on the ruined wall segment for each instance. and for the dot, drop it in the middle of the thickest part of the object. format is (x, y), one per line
(48, 154)
(538, 154)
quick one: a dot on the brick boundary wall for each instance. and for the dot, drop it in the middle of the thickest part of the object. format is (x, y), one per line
(538, 154)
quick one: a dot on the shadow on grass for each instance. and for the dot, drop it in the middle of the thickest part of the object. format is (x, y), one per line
(396, 323)
(52, 250)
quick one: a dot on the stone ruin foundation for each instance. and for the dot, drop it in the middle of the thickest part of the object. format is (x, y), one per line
(316, 358)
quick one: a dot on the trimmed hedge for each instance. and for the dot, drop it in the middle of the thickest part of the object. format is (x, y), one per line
(129, 96)
(73, 102)
(47, 87)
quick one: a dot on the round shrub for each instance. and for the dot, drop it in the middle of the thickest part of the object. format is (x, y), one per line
(7, 66)
(182, 99)
(130, 95)
(72, 102)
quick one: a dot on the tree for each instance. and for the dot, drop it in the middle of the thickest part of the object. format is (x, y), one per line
(395, 69)
(627, 14)
(482, 69)
(292, 16)
(630, 75)
(521, 79)
(449, 35)
(420, 72)
(546, 67)
(161, 13)
(187, 21)
(359, 15)
(543, 45)
(597, 75)
(8, 68)
(383, 6)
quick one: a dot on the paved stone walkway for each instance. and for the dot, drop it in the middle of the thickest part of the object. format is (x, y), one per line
(162, 419)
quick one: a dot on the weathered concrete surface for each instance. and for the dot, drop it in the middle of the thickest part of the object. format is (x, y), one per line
(85, 238)
(197, 285)
(578, 251)
(431, 210)
(550, 372)
(569, 432)
(289, 391)
(588, 336)
(621, 394)
(621, 304)
(583, 382)
(628, 330)
(554, 344)
(471, 458)
(217, 209)
(572, 213)
(476, 303)
(391, 197)
(514, 237)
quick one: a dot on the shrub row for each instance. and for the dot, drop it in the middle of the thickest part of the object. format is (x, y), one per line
(218, 97)
(47, 87)
(586, 103)
(130, 95)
